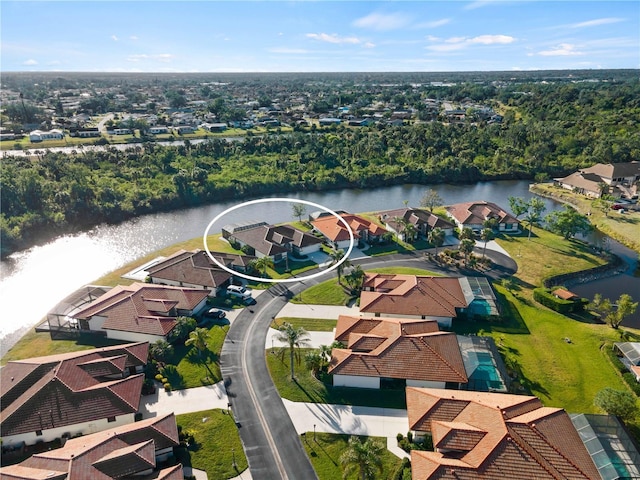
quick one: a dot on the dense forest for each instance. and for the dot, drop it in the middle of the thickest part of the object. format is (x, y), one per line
(549, 129)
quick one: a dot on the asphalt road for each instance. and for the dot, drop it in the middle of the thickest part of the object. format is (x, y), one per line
(272, 446)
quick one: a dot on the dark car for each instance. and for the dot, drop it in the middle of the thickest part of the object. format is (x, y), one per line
(214, 313)
(617, 206)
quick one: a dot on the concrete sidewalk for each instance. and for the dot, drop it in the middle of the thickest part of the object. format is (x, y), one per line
(304, 310)
(316, 339)
(184, 401)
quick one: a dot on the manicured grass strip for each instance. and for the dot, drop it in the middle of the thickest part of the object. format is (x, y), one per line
(310, 324)
(39, 344)
(195, 370)
(328, 292)
(307, 388)
(217, 442)
(325, 451)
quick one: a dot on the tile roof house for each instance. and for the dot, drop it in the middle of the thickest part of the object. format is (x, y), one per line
(479, 435)
(473, 215)
(193, 269)
(275, 241)
(422, 220)
(382, 349)
(622, 177)
(140, 311)
(336, 232)
(81, 392)
(415, 296)
(128, 451)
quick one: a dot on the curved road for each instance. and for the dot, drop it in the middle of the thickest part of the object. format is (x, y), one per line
(272, 445)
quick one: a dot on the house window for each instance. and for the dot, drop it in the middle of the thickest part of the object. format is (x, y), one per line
(39, 433)
(111, 419)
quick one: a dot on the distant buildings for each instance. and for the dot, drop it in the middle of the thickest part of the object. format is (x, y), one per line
(615, 179)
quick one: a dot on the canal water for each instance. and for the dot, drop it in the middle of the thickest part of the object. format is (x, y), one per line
(33, 281)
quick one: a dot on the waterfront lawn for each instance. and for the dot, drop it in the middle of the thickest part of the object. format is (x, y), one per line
(547, 255)
(307, 388)
(194, 370)
(40, 344)
(325, 451)
(309, 324)
(217, 443)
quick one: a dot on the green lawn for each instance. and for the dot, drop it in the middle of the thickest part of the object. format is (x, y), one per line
(309, 324)
(193, 370)
(217, 442)
(306, 388)
(325, 451)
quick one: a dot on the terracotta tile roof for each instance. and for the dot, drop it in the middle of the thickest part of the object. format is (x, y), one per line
(143, 308)
(195, 268)
(62, 391)
(381, 347)
(494, 436)
(334, 229)
(475, 213)
(565, 294)
(421, 219)
(120, 452)
(412, 295)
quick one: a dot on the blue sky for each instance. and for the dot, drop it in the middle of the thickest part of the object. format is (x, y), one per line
(316, 36)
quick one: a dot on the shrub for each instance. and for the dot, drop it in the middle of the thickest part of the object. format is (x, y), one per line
(158, 377)
(546, 298)
(167, 387)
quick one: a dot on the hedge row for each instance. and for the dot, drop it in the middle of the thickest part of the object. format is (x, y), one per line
(546, 298)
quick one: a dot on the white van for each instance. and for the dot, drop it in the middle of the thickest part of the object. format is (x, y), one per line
(240, 292)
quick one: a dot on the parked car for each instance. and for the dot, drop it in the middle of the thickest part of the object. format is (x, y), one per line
(617, 206)
(214, 313)
(237, 289)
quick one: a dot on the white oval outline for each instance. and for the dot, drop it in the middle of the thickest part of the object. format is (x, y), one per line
(279, 280)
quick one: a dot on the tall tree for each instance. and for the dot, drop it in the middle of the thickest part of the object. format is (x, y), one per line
(534, 212)
(568, 222)
(436, 238)
(198, 338)
(355, 277)
(261, 264)
(466, 232)
(466, 247)
(620, 403)
(486, 235)
(365, 458)
(298, 210)
(295, 338)
(518, 206)
(337, 255)
(161, 350)
(431, 199)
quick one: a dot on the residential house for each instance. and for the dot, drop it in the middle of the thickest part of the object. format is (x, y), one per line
(415, 296)
(629, 353)
(74, 393)
(158, 129)
(275, 241)
(129, 451)
(360, 122)
(483, 435)
(41, 135)
(140, 311)
(395, 351)
(622, 180)
(328, 121)
(214, 127)
(86, 132)
(422, 220)
(193, 269)
(337, 233)
(473, 215)
(184, 129)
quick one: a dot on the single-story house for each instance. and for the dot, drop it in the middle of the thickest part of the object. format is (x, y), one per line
(565, 294)
(158, 129)
(184, 129)
(423, 220)
(275, 241)
(415, 296)
(622, 179)
(360, 122)
(140, 311)
(85, 132)
(473, 215)
(327, 121)
(128, 451)
(383, 350)
(484, 435)
(74, 393)
(214, 127)
(629, 353)
(40, 135)
(337, 234)
(193, 269)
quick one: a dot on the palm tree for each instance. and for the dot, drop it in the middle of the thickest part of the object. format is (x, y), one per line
(466, 232)
(198, 338)
(486, 235)
(466, 247)
(355, 277)
(337, 255)
(366, 458)
(534, 213)
(295, 338)
(161, 350)
(436, 238)
(261, 264)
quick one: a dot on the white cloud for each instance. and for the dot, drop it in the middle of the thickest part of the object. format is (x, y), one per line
(287, 50)
(114, 38)
(562, 50)
(597, 22)
(162, 57)
(480, 4)
(492, 39)
(133, 37)
(434, 23)
(31, 61)
(369, 45)
(383, 22)
(458, 43)
(333, 38)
